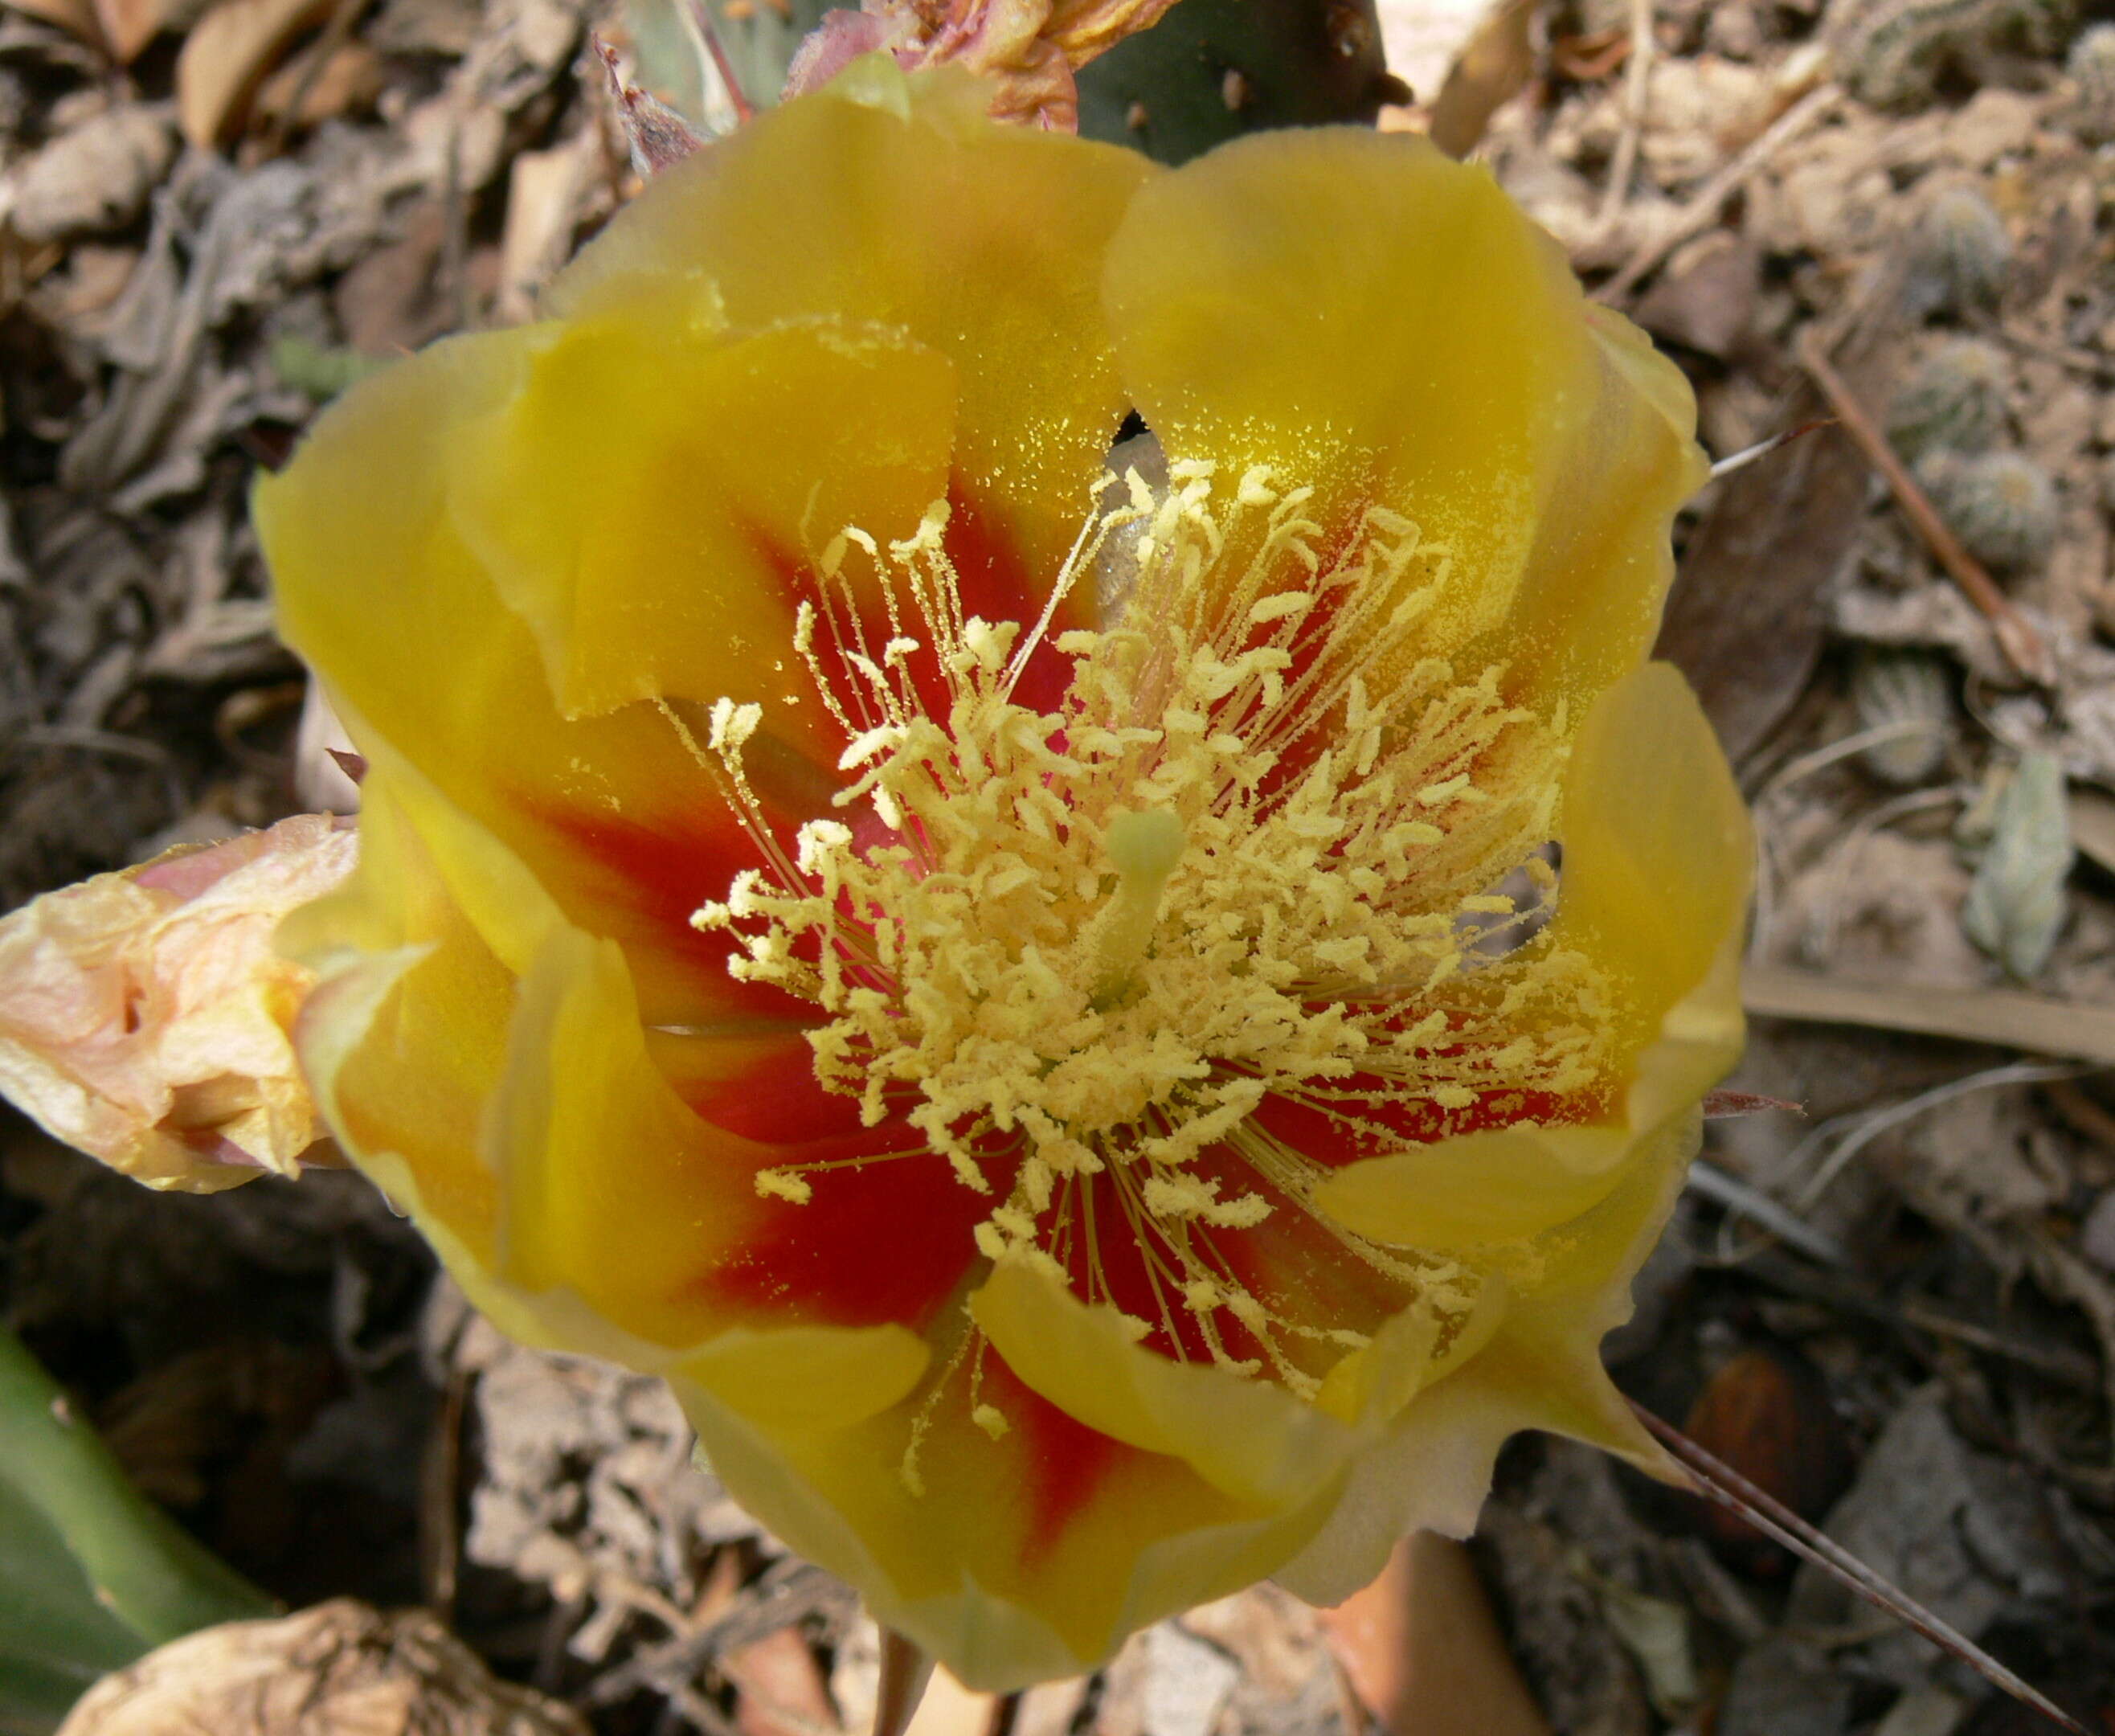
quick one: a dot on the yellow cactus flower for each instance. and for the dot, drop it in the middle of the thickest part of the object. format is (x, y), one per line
(1021, 967)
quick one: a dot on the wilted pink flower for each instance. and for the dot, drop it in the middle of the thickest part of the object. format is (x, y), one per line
(144, 1014)
(1025, 50)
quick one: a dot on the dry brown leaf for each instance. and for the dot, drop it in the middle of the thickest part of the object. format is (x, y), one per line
(2021, 642)
(93, 178)
(906, 1671)
(544, 191)
(128, 25)
(75, 16)
(2093, 825)
(350, 77)
(227, 56)
(94, 277)
(1493, 66)
(949, 1709)
(1743, 622)
(389, 304)
(2038, 1023)
(339, 1669)
(781, 1685)
(1422, 1653)
(1706, 298)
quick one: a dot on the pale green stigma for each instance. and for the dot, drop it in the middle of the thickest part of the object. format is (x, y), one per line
(1143, 848)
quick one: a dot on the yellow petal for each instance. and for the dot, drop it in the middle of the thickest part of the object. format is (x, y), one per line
(1372, 1386)
(975, 1565)
(1477, 1189)
(437, 1066)
(522, 1100)
(609, 1188)
(1657, 851)
(891, 201)
(1358, 313)
(652, 497)
(808, 1378)
(612, 816)
(1657, 858)
(1251, 1439)
(527, 562)
(404, 1037)
(1654, 885)
(524, 1116)
(1539, 1369)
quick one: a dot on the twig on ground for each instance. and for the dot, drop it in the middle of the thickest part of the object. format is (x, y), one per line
(441, 1499)
(906, 1669)
(1742, 1200)
(1724, 1105)
(2085, 1115)
(1915, 1314)
(2064, 356)
(1637, 93)
(2009, 1018)
(1702, 211)
(1873, 1123)
(455, 225)
(790, 1591)
(2022, 645)
(94, 741)
(1005, 1716)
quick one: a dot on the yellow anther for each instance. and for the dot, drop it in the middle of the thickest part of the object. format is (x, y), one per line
(1015, 967)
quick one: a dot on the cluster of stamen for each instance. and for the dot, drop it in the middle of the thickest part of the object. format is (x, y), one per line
(1090, 942)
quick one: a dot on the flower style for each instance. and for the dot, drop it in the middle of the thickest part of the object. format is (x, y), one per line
(1023, 969)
